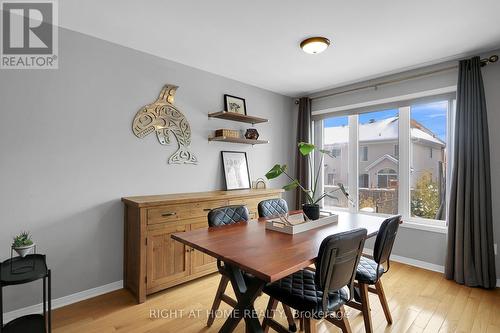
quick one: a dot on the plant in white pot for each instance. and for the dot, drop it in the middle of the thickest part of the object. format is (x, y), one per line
(23, 244)
(313, 197)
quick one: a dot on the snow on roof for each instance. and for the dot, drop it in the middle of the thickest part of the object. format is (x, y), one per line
(379, 130)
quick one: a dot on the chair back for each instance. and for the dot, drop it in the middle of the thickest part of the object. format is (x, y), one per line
(272, 207)
(337, 261)
(385, 240)
(222, 216)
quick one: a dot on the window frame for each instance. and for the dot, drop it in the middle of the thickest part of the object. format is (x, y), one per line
(404, 169)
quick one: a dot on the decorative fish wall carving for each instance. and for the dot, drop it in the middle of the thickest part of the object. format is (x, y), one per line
(164, 118)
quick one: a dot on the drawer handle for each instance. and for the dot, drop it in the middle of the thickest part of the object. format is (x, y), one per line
(207, 209)
(168, 214)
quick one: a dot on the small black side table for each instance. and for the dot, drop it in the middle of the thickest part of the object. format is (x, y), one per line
(9, 275)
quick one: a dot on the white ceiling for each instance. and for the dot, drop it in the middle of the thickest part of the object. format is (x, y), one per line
(256, 42)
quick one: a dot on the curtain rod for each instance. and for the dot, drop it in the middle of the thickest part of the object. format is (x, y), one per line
(484, 62)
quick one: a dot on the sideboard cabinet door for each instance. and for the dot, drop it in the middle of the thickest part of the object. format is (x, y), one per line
(201, 262)
(167, 260)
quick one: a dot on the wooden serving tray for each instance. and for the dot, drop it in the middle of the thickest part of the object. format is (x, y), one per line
(276, 225)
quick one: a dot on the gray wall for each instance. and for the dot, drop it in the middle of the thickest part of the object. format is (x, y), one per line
(419, 244)
(491, 77)
(68, 153)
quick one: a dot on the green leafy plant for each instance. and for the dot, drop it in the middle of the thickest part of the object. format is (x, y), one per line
(23, 239)
(312, 195)
(425, 200)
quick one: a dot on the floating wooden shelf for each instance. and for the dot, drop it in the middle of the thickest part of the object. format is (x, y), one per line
(237, 140)
(237, 117)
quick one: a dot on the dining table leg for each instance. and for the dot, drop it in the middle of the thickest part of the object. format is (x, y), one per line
(246, 291)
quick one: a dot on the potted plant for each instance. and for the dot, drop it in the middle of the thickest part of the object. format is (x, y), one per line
(311, 207)
(23, 244)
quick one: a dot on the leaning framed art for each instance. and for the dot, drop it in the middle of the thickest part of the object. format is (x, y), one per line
(236, 172)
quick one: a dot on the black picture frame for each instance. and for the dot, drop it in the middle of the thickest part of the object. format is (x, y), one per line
(227, 105)
(234, 184)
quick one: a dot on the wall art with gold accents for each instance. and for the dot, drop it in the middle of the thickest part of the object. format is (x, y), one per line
(166, 120)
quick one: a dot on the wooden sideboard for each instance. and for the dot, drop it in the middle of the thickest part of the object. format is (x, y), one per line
(153, 261)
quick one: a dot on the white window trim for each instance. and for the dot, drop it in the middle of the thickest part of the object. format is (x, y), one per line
(404, 206)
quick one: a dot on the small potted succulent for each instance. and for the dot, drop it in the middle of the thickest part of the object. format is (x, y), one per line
(23, 244)
(311, 207)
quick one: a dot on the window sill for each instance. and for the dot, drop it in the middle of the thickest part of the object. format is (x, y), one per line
(410, 223)
(419, 224)
(415, 224)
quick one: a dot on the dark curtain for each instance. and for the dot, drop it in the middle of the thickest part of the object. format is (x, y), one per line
(470, 257)
(303, 135)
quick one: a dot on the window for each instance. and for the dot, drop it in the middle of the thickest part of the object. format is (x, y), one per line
(393, 161)
(335, 136)
(363, 153)
(336, 152)
(428, 180)
(387, 178)
(364, 181)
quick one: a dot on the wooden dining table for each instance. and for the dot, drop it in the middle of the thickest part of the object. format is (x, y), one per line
(265, 254)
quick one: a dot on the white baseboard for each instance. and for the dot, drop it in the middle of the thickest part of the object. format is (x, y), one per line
(65, 300)
(412, 262)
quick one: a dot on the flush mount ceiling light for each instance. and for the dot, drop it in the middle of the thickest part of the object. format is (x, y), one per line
(315, 45)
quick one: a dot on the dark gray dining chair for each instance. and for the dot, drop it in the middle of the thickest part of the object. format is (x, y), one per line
(320, 294)
(220, 217)
(272, 207)
(370, 271)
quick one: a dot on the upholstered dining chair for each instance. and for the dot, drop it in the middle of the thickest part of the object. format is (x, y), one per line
(219, 217)
(272, 207)
(370, 271)
(320, 294)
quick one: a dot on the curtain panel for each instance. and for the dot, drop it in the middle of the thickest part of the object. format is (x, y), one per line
(470, 256)
(302, 171)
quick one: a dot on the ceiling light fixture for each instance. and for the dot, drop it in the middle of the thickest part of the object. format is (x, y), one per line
(315, 45)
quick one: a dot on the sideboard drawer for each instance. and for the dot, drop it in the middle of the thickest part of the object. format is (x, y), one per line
(171, 213)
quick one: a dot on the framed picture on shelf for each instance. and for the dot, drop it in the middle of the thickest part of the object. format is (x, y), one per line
(236, 171)
(235, 104)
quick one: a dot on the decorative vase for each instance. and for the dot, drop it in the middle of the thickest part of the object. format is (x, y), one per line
(311, 211)
(23, 251)
(252, 134)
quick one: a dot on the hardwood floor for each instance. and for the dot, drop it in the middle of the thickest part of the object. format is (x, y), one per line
(420, 301)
